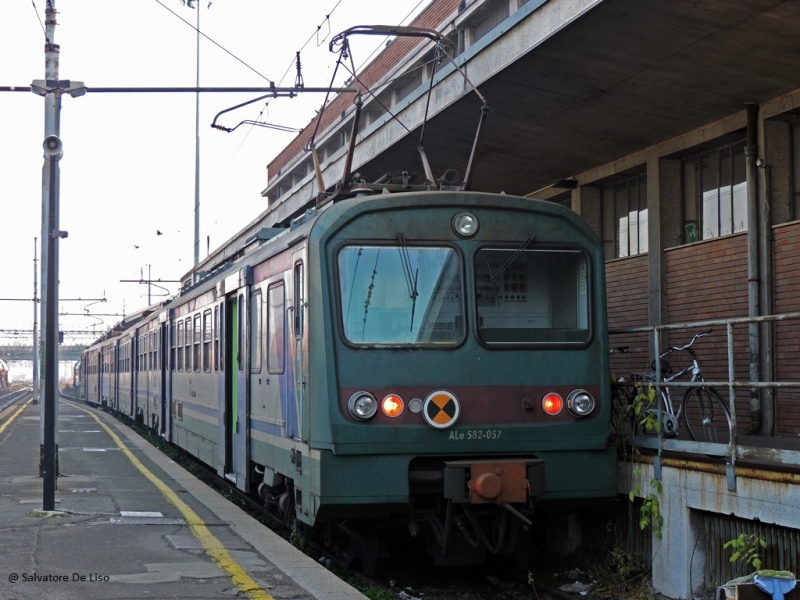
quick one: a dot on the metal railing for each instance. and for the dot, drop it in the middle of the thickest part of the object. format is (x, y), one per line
(732, 450)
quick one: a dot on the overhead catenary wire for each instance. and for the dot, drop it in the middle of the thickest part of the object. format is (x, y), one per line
(38, 16)
(289, 68)
(314, 35)
(221, 47)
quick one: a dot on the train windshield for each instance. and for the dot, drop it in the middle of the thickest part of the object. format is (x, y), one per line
(401, 295)
(532, 296)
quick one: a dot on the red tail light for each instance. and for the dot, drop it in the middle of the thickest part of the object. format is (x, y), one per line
(552, 404)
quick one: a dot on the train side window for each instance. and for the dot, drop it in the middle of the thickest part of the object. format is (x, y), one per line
(276, 328)
(216, 338)
(298, 299)
(255, 332)
(172, 345)
(187, 348)
(197, 339)
(180, 346)
(207, 341)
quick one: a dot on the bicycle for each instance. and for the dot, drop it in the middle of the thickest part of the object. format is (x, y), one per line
(702, 411)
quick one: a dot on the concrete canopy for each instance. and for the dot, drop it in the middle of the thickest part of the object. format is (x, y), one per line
(619, 78)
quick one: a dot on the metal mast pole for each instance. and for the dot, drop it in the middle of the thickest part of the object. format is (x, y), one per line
(52, 126)
(35, 344)
(50, 453)
(197, 152)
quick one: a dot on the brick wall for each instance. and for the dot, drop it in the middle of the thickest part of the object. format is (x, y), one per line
(708, 280)
(786, 244)
(431, 18)
(626, 287)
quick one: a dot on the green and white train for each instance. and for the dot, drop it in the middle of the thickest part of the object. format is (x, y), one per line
(435, 359)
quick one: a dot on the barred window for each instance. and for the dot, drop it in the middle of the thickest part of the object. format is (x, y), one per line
(715, 194)
(624, 206)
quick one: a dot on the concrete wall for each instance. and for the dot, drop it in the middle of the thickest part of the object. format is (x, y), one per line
(679, 556)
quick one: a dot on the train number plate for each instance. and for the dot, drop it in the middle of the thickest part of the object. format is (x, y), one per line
(476, 434)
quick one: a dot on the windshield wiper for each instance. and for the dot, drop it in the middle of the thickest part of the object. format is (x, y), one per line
(368, 298)
(410, 274)
(528, 241)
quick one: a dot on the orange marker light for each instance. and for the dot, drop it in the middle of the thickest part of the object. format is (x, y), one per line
(392, 405)
(552, 404)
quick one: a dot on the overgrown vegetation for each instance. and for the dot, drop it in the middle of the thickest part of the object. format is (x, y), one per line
(622, 575)
(747, 549)
(638, 411)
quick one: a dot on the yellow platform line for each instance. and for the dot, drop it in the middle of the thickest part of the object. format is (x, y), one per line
(14, 416)
(213, 546)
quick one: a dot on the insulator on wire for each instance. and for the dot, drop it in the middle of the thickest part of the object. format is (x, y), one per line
(298, 82)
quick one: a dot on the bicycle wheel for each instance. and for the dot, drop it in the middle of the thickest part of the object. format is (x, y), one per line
(706, 415)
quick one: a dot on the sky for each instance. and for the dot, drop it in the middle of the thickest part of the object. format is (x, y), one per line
(128, 166)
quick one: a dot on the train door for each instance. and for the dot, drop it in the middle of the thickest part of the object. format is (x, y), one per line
(165, 365)
(236, 388)
(115, 374)
(136, 341)
(84, 380)
(299, 317)
(133, 366)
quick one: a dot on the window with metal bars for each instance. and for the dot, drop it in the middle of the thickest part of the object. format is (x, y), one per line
(624, 214)
(715, 193)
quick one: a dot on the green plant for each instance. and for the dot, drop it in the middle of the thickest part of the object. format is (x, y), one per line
(642, 402)
(746, 548)
(650, 511)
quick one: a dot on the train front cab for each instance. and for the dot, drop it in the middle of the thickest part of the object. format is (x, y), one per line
(456, 356)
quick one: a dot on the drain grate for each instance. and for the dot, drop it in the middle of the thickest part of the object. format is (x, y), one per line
(146, 521)
(141, 513)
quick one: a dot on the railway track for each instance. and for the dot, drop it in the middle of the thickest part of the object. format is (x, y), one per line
(9, 398)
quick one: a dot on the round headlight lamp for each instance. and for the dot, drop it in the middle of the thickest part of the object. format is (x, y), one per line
(362, 406)
(580, 403)
(465, 224)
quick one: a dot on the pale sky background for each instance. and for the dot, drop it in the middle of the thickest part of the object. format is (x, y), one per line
(128, 168)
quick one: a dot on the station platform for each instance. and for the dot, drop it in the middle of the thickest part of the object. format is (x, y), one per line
(130, 523)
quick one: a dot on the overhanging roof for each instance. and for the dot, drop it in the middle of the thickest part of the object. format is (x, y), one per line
(622, 77)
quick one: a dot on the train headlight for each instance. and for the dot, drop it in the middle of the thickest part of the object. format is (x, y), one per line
(362, 406)
(465, 224)
(552, 404)
(580, 403)
(393, 405)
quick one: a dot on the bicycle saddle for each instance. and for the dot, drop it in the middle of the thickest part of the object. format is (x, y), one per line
(665, 368)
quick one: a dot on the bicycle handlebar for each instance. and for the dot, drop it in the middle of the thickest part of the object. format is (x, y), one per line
(694, 339)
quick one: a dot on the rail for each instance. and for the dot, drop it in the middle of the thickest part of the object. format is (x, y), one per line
(733, 450)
